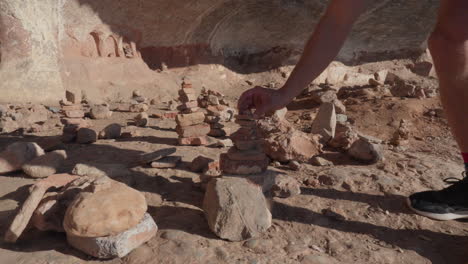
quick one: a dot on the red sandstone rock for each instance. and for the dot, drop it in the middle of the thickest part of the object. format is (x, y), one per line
(184, 120)
(170, 115)
(193, 131)
(200, 163)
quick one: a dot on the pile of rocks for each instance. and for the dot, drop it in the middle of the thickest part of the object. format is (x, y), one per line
(28, 116)
(101, 217)
(247, 156)
(191, 128)
(139, 103)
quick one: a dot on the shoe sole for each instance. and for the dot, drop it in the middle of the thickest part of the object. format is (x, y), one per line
(440, 217)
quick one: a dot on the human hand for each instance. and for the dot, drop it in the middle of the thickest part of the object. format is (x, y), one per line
(261, 99)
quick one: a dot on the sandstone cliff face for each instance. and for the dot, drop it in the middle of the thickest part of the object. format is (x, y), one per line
(105, 46)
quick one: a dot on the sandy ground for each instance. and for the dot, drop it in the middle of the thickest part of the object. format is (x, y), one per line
(361, 219)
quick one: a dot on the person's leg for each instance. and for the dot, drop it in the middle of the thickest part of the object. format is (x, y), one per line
(449, 48)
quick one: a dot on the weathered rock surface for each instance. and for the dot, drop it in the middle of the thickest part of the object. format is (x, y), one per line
(107, 208)
(285, 186)
(86, 136)
(236, 209)
(119, 245)
(45, 165)
(17, 154)
(325, 122)
(366, 151)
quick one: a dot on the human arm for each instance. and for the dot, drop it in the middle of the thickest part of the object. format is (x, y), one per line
(322, 47)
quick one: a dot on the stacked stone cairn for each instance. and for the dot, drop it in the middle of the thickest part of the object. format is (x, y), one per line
(246, 156)
(73, 118)
(191, 128)
(218, 112)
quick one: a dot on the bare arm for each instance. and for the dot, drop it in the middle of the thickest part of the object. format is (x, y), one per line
(323, 46)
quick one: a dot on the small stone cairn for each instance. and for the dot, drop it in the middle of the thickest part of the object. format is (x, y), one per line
(247, 156)
(191, 128)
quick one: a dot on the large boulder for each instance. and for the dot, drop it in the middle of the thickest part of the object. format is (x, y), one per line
(236, 209)
(106, 208)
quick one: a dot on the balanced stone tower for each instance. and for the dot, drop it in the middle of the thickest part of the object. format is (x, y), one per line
(191, 128)
(247, 156)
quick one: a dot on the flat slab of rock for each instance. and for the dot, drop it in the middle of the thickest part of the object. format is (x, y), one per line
(45, 165)
(236, 209)
(166, 162)
(285, 186)
(17, 154)
(119, 245)
(24, 215)
(153, 156)
(107, 208)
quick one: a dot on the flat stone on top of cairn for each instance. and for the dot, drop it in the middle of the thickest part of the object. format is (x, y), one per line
(247, 156)
(191, 128)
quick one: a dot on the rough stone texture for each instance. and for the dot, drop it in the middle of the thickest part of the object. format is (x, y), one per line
(17, 154)
(45, 165)
(119, 245)
(294, 145)
(51, 46)
(23, 216)
(236, 209)
(100, 111)
(242, 167)
(325, 122)
(285, 186)
(106, 209)
(193, 131)
(184, 120)
(366, 151)
(193, 141)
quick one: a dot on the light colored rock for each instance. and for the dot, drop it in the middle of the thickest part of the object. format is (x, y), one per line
(193, 131)
(166, 162)
(193, 141)
(285, 186)
(365, 151)
(292, 145)
(119, 245)
(294, 165)
(101, 111)
(139, 108)
(45, 165)
(325, 122)
(106, 209)
(236, 209)
(319, 161)
(111, 131)
(17, 154)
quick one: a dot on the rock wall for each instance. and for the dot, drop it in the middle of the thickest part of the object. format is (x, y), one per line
(109, 46)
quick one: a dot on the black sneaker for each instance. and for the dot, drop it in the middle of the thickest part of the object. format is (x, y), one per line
(447, 204)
